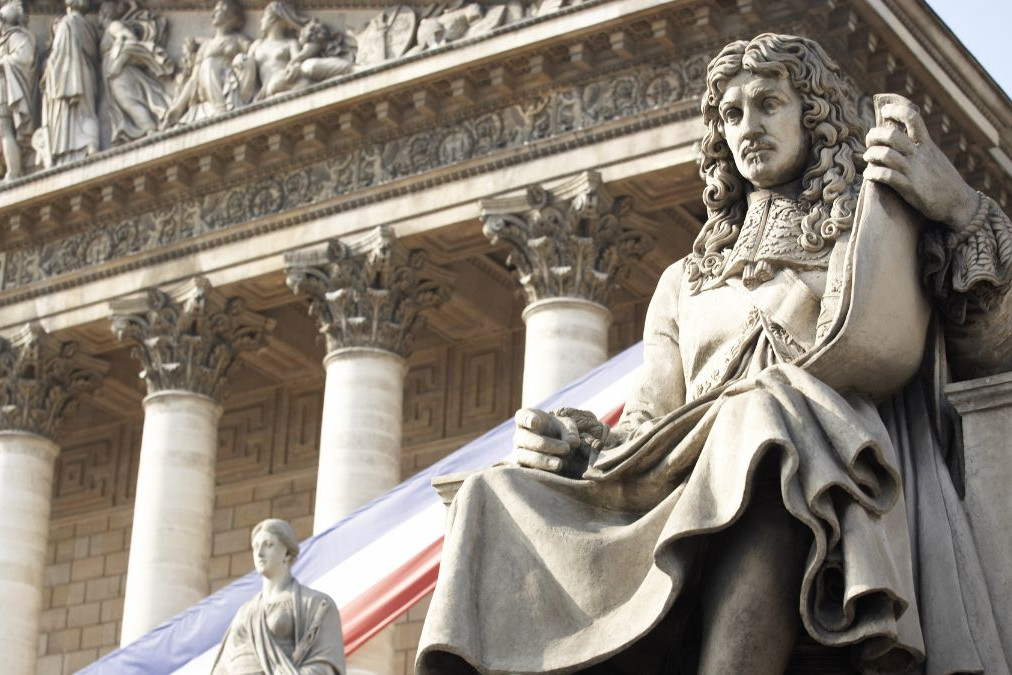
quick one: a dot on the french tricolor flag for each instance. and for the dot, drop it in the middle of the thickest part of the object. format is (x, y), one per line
(376, 562)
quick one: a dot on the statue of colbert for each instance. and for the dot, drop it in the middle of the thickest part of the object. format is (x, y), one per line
(775, 472)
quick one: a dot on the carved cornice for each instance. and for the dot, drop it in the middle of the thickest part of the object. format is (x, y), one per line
(367, 294)
(190, 338)
(568, 241)
(603, 104)
(41, 379)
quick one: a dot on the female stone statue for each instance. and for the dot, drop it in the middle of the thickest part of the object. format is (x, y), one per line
(743, 492)
(18, 103)
(203, 94)
(287, 628)
(292, 52)
(70, 128)
(134, 64)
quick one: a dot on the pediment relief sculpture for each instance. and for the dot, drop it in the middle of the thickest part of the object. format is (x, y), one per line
(785, 465)
(107, 77)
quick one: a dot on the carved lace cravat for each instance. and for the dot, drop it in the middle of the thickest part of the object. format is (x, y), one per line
(770, 240)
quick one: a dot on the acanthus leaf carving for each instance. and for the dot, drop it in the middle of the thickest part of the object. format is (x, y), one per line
(41, 379)
(369, 294)
(188, 339)
(565, 242)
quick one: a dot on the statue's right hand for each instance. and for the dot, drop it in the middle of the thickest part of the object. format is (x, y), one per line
(543, 440)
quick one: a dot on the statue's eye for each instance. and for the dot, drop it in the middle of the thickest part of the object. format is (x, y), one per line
(732, 115)
(771, 105)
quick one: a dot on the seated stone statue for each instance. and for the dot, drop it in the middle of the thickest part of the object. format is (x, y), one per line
(752, 489)
(202, 94)
(135, 67)
(287, 628)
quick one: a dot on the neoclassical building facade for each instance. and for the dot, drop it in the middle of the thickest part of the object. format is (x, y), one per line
(281, 256)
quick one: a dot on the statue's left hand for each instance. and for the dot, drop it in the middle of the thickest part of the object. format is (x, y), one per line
(902, 155)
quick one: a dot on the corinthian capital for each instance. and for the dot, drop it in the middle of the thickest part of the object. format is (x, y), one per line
(41, 379)
(367, 294)
(188, 338)
(565, 242)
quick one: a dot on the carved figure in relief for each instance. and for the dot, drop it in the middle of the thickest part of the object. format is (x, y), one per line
(18, 93)
(135, 66)
(292, 52)
(70, 127)
(386, 36)
(203, 94)
(287, 628)
(782, 466)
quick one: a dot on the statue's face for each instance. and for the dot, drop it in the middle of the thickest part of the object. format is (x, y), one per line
(270, 555)
(221, 14)
(761, 119)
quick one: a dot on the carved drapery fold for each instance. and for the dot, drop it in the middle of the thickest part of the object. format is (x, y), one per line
(190, 338)
(566, 242)
(367, 294)
(41, 379)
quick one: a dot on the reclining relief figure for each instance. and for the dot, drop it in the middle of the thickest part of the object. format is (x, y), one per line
(781, 467)
(279, 61)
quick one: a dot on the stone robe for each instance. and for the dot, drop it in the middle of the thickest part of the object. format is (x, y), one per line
(70, 89)
(544, 573)
(252, 645)
(17, 79)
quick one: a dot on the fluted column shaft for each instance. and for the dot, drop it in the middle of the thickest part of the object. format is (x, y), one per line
(26, 484)
(361, 431)
(170, 545)
(565, 338)
(187, 341)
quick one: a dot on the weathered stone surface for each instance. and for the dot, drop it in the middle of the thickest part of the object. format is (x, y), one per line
(40, 380)
(367, 294)
(188, 339)
(568, 241)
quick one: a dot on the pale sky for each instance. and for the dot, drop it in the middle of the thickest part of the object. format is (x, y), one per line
(985, 28)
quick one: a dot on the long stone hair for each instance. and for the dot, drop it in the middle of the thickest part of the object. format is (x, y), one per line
(836, 134)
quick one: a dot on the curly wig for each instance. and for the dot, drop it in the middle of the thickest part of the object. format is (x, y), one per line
(836, 134)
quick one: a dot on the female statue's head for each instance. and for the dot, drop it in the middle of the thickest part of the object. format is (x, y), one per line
(12, 13)
(831, 145)
(279, 14)
(274, 546)
(81, 6)
(227, 15)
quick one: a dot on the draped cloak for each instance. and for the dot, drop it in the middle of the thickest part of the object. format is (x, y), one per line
(18, 93)
(250, 648)
(544, 573)
(70, 88)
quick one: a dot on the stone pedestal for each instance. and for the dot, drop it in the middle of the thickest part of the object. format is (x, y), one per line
(26, 480)
(985, 405)
(566, 337)
(360, 438)
(170, 545)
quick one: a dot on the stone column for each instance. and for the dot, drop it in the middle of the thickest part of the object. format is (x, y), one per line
(187, 342)
(567, 245)
(367, 298)
(985, 406)
(40, 379)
